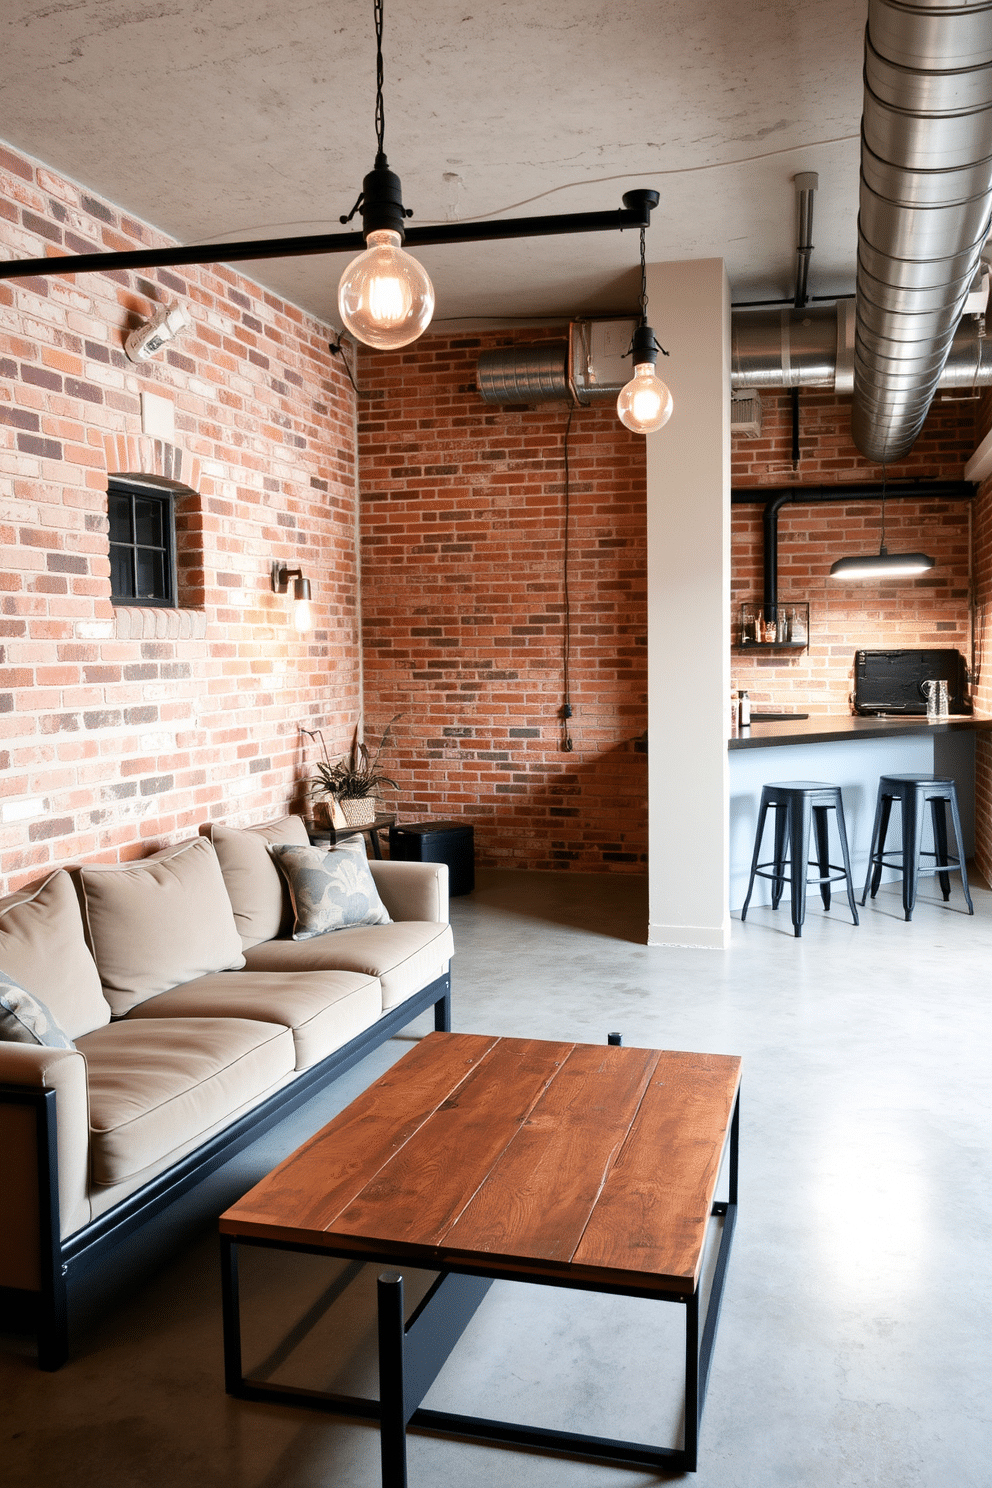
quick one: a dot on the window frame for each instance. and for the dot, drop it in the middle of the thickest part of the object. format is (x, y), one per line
(166, 497)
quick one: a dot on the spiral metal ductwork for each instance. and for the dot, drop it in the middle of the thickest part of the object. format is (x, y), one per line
(769, 349)
(926, 196)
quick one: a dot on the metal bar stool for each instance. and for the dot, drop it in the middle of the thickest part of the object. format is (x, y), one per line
(800, 805)
(913, 792)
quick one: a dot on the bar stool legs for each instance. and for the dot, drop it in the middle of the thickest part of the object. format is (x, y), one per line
(800, 808)
(914, 793)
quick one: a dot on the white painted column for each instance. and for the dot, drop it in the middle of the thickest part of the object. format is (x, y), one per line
(688, 480)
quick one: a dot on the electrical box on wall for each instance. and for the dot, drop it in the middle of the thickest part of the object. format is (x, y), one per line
(599, 357)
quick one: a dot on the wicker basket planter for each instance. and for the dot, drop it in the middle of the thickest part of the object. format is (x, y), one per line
(359, 811)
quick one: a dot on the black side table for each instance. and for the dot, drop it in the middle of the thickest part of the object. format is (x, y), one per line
(321, 835)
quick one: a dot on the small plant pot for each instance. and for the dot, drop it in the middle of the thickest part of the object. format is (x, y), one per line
(359, 811)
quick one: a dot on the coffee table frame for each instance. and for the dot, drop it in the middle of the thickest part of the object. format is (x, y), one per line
(412, 1353)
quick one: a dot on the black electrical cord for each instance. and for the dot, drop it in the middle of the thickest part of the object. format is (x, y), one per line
(336, 348)
(566, 640)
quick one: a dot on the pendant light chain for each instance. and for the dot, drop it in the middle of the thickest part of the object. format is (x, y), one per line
(885, 474)
(380, 110)
(644, 284)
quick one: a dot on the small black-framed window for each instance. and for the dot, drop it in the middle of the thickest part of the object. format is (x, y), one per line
(142, 544)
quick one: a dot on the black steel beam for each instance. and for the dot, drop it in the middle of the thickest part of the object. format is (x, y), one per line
(634, 215)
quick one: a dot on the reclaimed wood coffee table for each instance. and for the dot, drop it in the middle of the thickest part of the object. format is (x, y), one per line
(483, 1158)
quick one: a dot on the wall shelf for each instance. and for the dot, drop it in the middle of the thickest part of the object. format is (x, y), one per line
(781, 627)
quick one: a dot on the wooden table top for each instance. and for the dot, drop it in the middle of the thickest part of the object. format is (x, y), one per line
(583, 1162)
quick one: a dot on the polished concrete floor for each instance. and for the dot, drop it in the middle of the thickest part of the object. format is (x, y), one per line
(854, 1341)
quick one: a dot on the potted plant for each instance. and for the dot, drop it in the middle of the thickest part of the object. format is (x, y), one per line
(353, 780)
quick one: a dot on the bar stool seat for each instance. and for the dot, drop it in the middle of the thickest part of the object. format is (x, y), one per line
(800, 805)
(914, 792)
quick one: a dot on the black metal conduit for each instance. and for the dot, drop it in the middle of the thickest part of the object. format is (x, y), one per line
(636, 213)
(775, 497)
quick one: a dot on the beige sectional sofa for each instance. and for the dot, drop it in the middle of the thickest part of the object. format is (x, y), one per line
(190, 1019)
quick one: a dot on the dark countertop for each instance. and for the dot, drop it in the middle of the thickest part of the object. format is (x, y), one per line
(834, 728)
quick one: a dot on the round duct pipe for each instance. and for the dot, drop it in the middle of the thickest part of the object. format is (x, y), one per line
(926, 197)
(769, 349)
(524, 374)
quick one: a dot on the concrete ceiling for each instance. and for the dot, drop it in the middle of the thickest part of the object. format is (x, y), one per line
(251, 118)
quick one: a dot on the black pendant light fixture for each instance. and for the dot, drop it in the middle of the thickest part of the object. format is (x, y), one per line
(385, 296)
(645, 404)
(883, 564)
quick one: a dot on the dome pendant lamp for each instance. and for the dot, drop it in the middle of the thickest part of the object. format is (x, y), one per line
(883, 564)
(645, 404)
(385, 297)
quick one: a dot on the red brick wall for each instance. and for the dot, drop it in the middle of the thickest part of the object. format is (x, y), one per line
(117, 737)
(462, 546)
(932, 610)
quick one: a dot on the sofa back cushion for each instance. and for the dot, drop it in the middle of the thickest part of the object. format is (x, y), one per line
(42, 947)
(258, 894)
(154, 924)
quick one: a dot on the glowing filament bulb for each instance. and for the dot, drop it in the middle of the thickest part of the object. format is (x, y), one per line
(645, 404)
(385, 297)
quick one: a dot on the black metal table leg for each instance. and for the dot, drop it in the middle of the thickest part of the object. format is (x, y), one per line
(231, 1313)
(392, 1394)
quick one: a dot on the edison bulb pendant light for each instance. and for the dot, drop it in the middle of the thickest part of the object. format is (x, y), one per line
(645, 404)
(385, 297)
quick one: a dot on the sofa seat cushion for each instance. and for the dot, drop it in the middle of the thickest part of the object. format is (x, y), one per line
(323, 1008)
(157, 922)
(405, 956)
(43, 949)
(157, 1083)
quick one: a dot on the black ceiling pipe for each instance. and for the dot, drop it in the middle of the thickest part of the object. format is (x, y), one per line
(636, 213)
(769, 522)
(775, 497)
(921, 490)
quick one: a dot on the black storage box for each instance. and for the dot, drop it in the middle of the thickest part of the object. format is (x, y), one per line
(892, 681)
(438, 842)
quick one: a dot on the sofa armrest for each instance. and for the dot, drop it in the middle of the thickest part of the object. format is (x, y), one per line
(30, 1067)
(412, 891)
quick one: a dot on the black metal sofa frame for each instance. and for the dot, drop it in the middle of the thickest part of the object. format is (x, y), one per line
(63, 1262)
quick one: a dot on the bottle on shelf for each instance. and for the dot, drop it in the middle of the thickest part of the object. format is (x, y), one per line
(743, 709)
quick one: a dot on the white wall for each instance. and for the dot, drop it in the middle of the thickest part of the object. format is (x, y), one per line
(688, 480)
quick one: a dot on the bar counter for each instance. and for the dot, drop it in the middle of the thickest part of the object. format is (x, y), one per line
(851, 752)
(832, 728)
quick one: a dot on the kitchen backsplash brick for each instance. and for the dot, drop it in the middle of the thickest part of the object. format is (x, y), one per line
(932, 610)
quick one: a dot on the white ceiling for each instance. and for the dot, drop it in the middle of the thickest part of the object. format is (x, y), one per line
(251, 118)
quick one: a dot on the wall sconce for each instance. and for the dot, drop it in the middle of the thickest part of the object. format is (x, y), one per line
(281, 576)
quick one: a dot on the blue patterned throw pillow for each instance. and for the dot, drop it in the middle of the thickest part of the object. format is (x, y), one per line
(330, 890)
(25, 1019)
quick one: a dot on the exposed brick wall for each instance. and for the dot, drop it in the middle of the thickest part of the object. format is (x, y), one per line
(462, 542)
(130, 732)
(932, 610)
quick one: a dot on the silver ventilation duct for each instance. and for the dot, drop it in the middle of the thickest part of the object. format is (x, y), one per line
(926, 194)
(769, 349)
